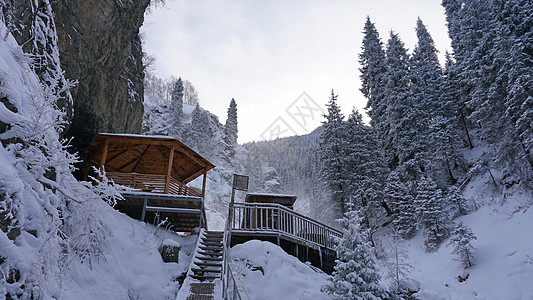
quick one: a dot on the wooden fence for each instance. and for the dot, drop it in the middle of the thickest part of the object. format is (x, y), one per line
(152, 183)
(275, 218)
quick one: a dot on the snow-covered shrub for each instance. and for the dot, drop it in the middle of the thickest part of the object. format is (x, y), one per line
(47, 218)
(461, 240)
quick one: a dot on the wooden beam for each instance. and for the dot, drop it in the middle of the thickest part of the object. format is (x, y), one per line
(86, 170)
(104, 156)
(139, 139)
(117, 155)
(140, 158)
(169, 167)
(187, 153)
(93, 149)
(203, 183)
(173, 169)
(193, 176)
(136, 161)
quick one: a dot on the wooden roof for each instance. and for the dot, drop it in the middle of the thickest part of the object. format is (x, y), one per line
(129, 153)
(287, 200)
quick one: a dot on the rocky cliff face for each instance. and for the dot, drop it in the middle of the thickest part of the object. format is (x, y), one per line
(100, 48)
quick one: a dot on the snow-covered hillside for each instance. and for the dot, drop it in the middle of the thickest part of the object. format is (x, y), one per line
(503, 262)
(503, 259)
(58, 238)
(129, 266)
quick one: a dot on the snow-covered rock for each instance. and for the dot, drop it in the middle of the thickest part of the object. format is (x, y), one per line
(267, 272)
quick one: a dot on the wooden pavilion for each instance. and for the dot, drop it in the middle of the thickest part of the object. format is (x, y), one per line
(157, 169)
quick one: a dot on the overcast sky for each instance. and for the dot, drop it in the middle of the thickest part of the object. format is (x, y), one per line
(266, 54)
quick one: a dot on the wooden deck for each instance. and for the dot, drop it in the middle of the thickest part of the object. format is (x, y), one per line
(183, 213)
(297, 234)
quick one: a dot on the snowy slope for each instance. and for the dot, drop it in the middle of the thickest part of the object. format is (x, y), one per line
(504, 259)
(131, 266)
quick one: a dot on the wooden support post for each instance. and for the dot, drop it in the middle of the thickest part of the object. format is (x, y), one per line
(320, 254)
(104, 157)
(202, 215)
(169, 168)
(203, 183)
(86, 170)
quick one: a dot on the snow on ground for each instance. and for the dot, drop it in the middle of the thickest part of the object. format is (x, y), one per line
(131, 267)
(504, 258)
(267, 272)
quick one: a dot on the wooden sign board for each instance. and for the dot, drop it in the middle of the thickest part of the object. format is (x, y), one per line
(240, 182)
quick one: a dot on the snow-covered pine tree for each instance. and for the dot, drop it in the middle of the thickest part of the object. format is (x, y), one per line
(461, 240)
(355, 275)
(425, 79)
(231, 130)
(333, 147)
(372, 61)
(515, 38)
(365, 168)
(199, 134)
(190, 93)
(156, 117)
(397, 264)
(443, 151)
(425, 72)
(451, 104)
(490, 41)
(456, 199)
(396, 92)
(432, 213)
(176, 109)
(402, 205)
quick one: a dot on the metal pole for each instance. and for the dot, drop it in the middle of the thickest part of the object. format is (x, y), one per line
(144, 209)
(232, 195)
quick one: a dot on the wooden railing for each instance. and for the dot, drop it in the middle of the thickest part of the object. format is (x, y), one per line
(152, 183)
(259, 217)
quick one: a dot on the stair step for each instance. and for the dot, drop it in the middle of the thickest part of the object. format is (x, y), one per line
(200, 270)
(204, 259)
(210, 248)
(203, 277)
(215, 232)
(210, 253)
(207, 264)
(213, 236)
(202, 288)
(212, 243)
(216, 236)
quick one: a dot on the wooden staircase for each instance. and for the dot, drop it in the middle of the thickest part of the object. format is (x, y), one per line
(207, 261)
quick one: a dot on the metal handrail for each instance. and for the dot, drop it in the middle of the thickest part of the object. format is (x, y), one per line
(232, 289)
(277, 218)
